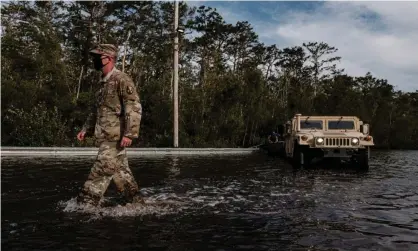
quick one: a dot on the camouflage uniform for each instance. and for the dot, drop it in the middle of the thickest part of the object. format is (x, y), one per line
(117, 113)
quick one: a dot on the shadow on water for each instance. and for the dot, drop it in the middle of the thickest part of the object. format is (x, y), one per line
(218, 203)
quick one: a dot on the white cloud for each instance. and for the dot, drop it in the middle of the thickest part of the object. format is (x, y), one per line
(385, 46)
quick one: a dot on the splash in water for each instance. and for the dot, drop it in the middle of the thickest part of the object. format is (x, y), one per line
(153, 206)
(228, 197)
(162, 201)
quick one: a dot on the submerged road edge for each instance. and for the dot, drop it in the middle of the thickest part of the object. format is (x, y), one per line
(92, 151)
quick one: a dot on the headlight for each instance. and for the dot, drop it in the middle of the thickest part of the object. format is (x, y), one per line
(354, 141)
(319, 141)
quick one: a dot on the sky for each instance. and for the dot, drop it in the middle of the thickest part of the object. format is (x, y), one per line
(376, 37)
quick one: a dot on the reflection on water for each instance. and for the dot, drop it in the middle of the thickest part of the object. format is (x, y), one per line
(217, 203)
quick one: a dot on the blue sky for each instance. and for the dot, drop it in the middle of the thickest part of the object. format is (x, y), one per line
(380, 37)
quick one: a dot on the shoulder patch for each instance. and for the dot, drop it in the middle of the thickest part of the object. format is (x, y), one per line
(129, 89)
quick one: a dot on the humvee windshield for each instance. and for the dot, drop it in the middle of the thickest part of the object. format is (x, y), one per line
(311, 124)
(342, 124)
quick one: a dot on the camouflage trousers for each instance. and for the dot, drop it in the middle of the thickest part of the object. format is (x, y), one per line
(111, 164)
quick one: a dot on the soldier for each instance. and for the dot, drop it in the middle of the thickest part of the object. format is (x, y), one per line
(115, 121)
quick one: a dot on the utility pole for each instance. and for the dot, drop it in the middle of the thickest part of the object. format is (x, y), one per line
(176, 75)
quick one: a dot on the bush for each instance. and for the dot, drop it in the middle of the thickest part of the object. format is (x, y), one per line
(39, 127)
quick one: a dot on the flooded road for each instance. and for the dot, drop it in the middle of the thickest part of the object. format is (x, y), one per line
(245, 202)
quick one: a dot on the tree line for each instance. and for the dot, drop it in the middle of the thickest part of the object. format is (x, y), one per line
(233, 89)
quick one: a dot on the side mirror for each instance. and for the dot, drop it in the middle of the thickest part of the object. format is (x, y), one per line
(365, 128)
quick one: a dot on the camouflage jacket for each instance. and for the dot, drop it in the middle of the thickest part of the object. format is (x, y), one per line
(117, 111)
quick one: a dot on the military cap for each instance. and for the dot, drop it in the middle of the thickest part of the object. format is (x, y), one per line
(105, 49)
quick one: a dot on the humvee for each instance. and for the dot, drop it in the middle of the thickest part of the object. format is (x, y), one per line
(342, 137)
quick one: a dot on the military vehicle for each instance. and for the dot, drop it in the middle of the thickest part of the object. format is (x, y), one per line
(342, 137)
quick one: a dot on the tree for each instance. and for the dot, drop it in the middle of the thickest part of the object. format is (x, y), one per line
(233, 89)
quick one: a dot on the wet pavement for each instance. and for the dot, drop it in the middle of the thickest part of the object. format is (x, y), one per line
(216, 202)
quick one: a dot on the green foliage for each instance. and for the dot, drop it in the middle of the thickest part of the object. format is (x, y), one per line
(38, 127)
(233, 89)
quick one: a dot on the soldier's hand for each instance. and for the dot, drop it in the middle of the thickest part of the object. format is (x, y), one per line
(80, 135)
(125, 142)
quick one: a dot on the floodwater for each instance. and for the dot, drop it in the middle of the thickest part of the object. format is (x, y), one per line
(243, 202)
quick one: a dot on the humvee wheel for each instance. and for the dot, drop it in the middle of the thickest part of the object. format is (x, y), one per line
(362, 160)
(301, 156)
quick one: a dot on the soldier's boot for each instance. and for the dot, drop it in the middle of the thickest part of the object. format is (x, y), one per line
(128, 200)
(131, 197)
(138, 199)
(94, 189)
(88, 199)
